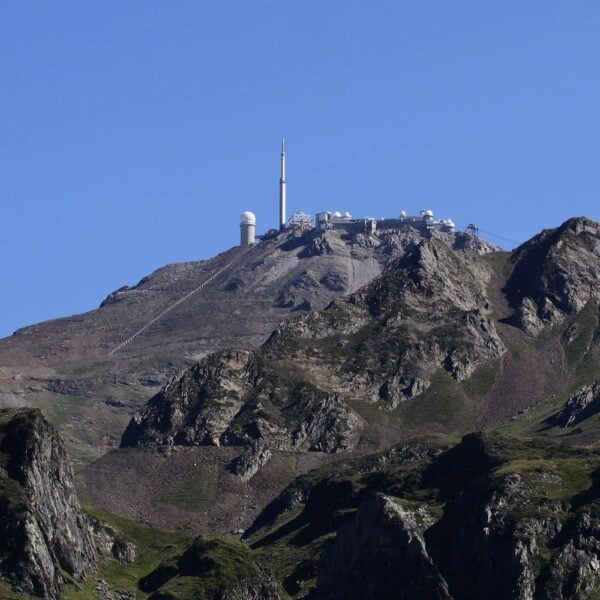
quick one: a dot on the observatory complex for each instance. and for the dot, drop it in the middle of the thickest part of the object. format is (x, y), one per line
(323, 221)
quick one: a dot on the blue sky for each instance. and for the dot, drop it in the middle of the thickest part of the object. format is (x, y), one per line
(134, 133)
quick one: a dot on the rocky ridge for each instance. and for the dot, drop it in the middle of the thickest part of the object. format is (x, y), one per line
(555, 274)
(427, 311)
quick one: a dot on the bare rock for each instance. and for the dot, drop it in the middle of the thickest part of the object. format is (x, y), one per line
(43, 531)
(381, 554)
(555, 274)
(247, 464)
(580, 406)
(109, 544)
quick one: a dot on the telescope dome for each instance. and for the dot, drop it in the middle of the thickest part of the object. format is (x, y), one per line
(248, 218)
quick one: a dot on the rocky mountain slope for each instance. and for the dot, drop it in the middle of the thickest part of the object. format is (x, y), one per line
(432, 345)
(430, 314)
(211, 569)
(44, 536)
(427, 312)
(65, 367)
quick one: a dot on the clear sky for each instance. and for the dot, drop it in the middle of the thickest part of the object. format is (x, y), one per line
(134, 133)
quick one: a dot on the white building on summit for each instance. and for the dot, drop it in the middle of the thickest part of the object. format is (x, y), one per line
(323, 221)
(247, 228)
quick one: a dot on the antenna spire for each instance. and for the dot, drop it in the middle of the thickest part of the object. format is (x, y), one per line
(282, 188)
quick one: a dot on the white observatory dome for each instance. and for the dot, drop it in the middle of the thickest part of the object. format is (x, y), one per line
(337, 214)
(403, 214)
(427, 214)
(248, 218)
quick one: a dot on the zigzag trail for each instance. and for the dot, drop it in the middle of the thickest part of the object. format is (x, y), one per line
(180, 301)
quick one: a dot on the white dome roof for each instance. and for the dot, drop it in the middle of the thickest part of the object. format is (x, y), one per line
(337, 214)
(403, 214)
(248, 218)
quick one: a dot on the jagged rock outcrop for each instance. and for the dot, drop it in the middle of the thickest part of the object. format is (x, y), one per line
(381, 554)
(555, 274)
(575, 571)
(196, 408)
(427, 312)
(580, 406)
(503, 545)
(43, 532)
(251, 460)
(109, 544)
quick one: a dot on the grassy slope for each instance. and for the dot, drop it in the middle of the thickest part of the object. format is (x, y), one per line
(581, 366)
(152, 547)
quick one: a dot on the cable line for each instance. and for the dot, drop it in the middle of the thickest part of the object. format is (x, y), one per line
(178, 302)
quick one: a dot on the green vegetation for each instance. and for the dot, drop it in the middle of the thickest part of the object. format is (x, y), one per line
(7, 593)
(482, 380)
(206, 568)
(194, 492)
(565, 477)
(152, 547)
(440, 404)
(499, 261)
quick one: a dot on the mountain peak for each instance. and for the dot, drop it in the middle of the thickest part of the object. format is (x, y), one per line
(555, 274)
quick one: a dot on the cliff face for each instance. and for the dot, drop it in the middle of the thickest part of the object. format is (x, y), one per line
(427, 312)
(386, 540)
(43, 532)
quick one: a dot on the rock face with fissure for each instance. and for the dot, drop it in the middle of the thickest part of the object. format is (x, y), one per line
(43, 532)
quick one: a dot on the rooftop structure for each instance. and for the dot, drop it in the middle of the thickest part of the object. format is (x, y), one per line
(424, 222)
(300, 219)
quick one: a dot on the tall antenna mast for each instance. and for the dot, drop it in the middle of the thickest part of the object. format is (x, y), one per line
(282, 188)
